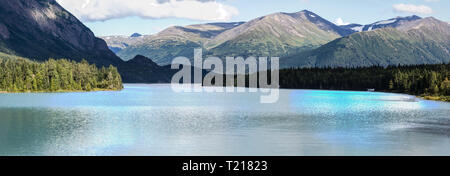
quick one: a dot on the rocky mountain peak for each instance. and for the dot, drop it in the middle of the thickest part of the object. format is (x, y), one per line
(428, 24)
(40, 29)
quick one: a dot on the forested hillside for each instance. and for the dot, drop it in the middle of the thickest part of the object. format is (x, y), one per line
(22, 75)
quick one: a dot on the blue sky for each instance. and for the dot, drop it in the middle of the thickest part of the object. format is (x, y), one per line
(124, 17)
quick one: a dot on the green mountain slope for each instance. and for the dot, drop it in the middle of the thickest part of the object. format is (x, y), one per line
(174, 41)
(277, 34)
(425, 41)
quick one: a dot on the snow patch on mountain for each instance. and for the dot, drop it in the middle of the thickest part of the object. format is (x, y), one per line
(358, 28)
(394, 22)
(386, 22)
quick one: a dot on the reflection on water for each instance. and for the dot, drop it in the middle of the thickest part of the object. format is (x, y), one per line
(152, 120)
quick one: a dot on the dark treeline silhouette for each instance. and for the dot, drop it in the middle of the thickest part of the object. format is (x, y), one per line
(22, 75)
(431, 80)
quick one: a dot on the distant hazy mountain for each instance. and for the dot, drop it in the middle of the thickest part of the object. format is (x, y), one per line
(119, 42)
(424, 41)
(171, 42)
(393, 22)
(136, 35)
(39, 29)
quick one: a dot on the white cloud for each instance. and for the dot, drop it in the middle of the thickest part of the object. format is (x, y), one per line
(340, 22)
(101, 10)
(411, 8)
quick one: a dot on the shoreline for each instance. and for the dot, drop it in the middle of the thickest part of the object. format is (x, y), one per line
(62, 91)
(424, 97)
(441, 98)
(436, 98)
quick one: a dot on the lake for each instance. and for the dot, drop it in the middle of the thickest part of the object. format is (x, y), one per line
(153, 120)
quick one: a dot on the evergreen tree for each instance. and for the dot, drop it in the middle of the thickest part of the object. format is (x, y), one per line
(22, 75)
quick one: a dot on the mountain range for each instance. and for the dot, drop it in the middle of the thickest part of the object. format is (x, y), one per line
(302, 39)
(169, 43)
(42, 29)
(279, 34)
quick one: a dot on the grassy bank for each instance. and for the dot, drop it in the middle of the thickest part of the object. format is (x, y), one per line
(436, 98)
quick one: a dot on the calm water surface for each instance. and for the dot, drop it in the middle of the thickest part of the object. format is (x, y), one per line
(153, 120)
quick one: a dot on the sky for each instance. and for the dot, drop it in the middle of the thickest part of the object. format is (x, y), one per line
(125, 17)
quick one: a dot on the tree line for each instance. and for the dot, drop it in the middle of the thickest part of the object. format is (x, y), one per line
(429, 81)
(23, 75)
(424, 80)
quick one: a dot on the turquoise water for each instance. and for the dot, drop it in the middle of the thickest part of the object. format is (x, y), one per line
(153, 120)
